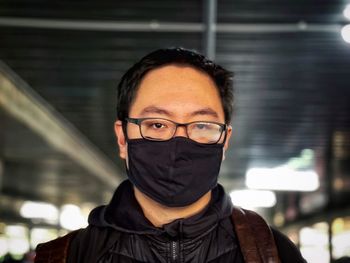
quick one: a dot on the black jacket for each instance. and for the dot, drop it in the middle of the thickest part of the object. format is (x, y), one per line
(119, 232)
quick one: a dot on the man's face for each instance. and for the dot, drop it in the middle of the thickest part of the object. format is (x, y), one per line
(179, 93)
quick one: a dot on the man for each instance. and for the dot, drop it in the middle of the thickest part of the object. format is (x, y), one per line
(174, 110)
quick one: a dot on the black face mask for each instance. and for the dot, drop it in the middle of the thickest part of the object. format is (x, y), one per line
(174, 173)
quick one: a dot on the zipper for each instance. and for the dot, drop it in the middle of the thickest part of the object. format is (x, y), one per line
(174, 253)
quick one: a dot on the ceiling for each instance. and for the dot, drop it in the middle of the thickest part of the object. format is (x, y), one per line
(291, 82)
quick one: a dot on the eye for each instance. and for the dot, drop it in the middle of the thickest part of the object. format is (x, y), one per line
(158, 125)
(201, 126)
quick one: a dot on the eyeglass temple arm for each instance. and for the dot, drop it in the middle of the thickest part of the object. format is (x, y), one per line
(132, 120)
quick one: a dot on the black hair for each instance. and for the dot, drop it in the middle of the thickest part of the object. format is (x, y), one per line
(130, 81)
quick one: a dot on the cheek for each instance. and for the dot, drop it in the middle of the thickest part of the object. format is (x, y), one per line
(133, 131)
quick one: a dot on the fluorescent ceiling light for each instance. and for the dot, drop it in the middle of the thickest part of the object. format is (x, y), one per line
(253, 198)
(71, 217)
(282, 178)
(3, 246)
(39, 210)
(346, 12)
(17, 239)
(41, 235)
(345, 33)
(18, 246)
(16, 231)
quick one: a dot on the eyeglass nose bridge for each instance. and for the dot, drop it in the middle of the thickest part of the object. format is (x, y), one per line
(184, 133)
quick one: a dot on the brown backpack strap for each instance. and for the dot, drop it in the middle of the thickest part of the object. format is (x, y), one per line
(55, 251)
(254, 236)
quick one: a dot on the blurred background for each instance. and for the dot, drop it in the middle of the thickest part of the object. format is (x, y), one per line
(60, 63)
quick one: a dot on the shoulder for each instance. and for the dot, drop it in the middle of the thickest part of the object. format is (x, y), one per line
(55, 250)
(90, 243)
(80, 245)
(253, 231)
(287, 251)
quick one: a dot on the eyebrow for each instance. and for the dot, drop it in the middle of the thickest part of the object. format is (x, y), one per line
(157, 110)
(205, 111)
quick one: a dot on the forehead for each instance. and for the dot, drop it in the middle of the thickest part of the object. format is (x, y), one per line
(178, 88)
(178, 71)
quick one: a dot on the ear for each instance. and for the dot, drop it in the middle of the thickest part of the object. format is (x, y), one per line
(228, 136)
(119, 133)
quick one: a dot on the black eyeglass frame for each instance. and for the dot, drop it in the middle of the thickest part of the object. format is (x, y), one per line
(138, 122)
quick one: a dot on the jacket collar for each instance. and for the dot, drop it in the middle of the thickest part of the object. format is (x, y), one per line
(125, 214)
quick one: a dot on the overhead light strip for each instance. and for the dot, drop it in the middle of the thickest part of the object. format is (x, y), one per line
(155, 26)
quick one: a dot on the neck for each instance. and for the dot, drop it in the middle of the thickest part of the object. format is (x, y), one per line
(160, 215)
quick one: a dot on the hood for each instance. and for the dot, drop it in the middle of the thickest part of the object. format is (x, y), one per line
(124, 214)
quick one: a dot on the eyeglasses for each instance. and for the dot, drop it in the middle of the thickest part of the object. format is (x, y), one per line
(158, 129)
